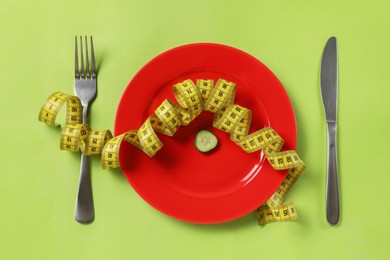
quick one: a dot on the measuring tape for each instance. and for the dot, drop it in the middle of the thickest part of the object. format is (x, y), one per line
(282, 213)
(192, 99)
(75, 136)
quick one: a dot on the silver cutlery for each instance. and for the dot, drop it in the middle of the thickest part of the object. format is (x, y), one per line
(329, 86)
(85, 89)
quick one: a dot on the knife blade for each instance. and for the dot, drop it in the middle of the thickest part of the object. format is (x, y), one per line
(329, 87)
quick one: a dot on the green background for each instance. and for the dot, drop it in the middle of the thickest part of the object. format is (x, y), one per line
(39, 182)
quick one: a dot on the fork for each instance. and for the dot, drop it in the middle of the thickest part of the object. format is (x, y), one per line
(85, 90)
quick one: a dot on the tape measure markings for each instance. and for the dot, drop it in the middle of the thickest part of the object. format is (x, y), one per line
(281, 213)
(167, 118)
(53, 104)
(292, 176)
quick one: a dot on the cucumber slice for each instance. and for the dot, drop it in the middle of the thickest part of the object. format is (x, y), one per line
(205, 141)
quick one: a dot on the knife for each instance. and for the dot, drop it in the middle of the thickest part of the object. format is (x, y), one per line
(329, 85)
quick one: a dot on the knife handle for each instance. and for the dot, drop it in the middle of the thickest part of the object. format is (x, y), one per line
(332, 182)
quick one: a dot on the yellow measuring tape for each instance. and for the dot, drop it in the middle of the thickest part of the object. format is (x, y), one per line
(75, 136)
(168, 117)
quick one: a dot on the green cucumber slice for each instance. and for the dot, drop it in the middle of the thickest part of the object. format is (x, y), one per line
(205, 141)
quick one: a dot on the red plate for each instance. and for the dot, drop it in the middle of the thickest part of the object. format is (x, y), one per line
(181, 182)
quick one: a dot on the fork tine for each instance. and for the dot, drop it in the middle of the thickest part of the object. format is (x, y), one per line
(76, 62)
(87, 72)
(93, 65)
(82, 59)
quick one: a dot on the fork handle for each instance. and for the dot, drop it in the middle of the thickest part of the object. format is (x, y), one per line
(84, 212)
